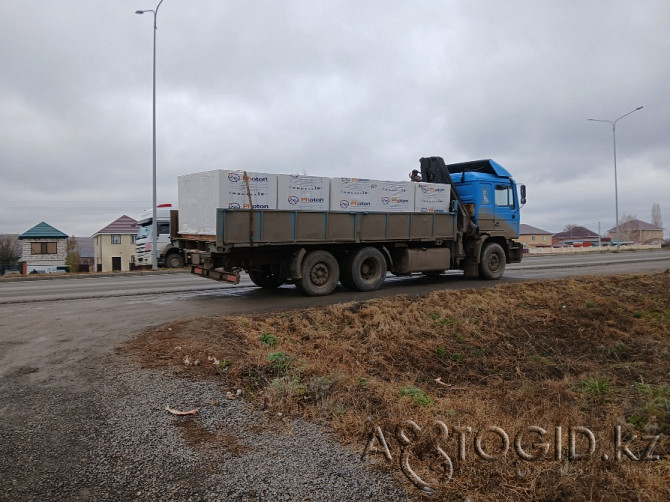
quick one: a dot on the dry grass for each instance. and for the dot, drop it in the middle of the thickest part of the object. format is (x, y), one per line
(592, 352)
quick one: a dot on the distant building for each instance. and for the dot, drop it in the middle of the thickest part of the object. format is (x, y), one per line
(114, 245)
(637, 231)
(43, 249)
(531, 236)
(576, 235)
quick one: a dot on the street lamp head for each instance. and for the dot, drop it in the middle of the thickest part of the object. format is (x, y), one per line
(140, 11)
(639, 108)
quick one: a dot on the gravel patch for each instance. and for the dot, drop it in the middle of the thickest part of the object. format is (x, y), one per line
(116, 441)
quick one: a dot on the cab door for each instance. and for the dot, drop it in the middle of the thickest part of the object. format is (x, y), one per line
(506, 220)
(486, 208)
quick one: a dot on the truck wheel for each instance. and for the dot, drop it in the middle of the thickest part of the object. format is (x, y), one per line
(492, 264)
(264, 280)
(174, 260)
(320, 273)
(367, 269)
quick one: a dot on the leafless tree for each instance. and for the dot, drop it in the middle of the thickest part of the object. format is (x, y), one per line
(9, 250)
(73, 255)
(656, 218)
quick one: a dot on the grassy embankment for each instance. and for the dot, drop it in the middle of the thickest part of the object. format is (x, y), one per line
(590, 352)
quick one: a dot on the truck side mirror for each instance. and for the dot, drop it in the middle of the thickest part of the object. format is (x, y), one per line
(523, 194)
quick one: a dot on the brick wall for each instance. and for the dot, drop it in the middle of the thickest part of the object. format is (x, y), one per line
(51, 260)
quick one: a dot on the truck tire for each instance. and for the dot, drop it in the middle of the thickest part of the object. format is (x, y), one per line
(492, 264)
(174, 260)
(366, 269)
(320, 273)
(264, 280)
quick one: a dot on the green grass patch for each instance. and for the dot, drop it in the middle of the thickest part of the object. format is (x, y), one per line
(268, 340)
(418, 396)
(594, 387)
(280, 361)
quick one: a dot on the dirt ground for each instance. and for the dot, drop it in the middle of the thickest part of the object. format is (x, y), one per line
(557, 390)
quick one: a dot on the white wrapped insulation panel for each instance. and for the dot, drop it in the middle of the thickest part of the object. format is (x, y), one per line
(201, 194)
(431, 197)
(396, 196)
(302, 193)
(354, 195)
(234, 194)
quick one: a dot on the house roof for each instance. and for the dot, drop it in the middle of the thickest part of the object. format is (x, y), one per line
(531, 230)
(43, 231)
(123, 225)
(576, 233)
(635, 225)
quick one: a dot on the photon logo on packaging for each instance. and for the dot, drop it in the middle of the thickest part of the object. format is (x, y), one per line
(394, 200)
(431, 189)
(235, 205)
(354, 203)
(256, 179)
(292, 199)
(235, 178)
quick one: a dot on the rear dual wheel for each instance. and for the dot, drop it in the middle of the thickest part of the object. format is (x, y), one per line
(365, 270)
(320, 273)
(265, 281)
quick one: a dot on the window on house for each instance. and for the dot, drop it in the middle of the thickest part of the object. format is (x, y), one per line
(44, 248)
(116, 239)
(532, 237)
(132, 239)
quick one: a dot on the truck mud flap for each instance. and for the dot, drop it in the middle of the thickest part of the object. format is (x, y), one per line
(217, 274)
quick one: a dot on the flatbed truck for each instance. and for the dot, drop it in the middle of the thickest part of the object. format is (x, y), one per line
(317, 249)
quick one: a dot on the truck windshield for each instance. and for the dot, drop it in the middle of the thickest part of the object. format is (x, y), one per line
(144, 231)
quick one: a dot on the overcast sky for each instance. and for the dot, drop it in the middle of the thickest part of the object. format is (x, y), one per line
(334, 88)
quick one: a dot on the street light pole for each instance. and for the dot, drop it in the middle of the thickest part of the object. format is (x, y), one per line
(154, 225)
(616, 187)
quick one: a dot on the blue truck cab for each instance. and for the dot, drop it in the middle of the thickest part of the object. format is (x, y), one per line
(485, 199)
(489, 193)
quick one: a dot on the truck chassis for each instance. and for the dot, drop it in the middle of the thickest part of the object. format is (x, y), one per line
(316, 250)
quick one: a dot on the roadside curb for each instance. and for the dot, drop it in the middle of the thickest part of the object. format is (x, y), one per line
(86, 275)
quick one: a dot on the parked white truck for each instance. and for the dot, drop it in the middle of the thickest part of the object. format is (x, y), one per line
(168, 255)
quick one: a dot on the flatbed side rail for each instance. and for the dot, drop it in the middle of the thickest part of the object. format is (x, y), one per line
(276, 227)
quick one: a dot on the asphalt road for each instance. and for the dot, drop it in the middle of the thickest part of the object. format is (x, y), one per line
(185, 285)
(60, 380)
